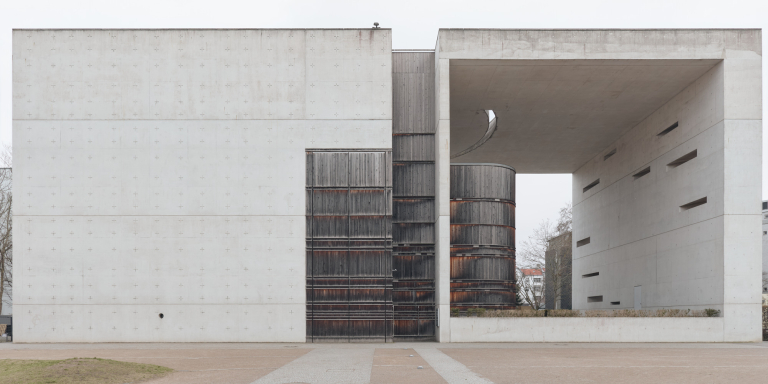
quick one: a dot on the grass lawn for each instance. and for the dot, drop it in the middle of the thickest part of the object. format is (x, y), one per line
(78, 370)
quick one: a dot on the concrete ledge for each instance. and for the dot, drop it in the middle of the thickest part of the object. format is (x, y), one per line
(587, 329)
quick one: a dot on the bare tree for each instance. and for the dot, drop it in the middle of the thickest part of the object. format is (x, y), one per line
(553, 240)
(6, 226)
(559, 259)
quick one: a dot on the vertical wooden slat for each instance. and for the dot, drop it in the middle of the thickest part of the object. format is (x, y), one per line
(482, 236)
(349, 266)
(413, 204)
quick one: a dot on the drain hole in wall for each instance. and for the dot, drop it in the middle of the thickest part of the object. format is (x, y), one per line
(161, 316)
(591, 274)
(609, 154)
(615, 302)
(582, 242)
(595, 299)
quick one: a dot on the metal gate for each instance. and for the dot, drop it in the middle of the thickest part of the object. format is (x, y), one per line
(349, 245)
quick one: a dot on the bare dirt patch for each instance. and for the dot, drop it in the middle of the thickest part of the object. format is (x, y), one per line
(78, 370)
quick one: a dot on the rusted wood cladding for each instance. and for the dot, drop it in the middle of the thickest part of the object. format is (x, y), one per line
(413, 92)
(483, 181)
(414, 179)
(413, 229)
(349, 246)
(475, 234)
(482, 236)
(414, 210)
(483, 212)
(413, 147)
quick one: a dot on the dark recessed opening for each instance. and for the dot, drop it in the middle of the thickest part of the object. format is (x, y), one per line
(615, 302)
(581, 242)
(595, 299)
(591, 185)
(642, 173)
(591, 274)
(609, 154)
(693, 204)
(668, 130)
(161, 316)
(683, 159)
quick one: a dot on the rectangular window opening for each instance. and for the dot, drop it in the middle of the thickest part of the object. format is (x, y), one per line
(581, 242)
(591, 185)
(609, 154)
(693, 204)
(683, 159)
(595, 299)
(642, 173)
(591, 274)
(615, 302)
(668, 130)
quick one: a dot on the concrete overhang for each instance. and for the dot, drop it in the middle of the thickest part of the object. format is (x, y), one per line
(555, 115)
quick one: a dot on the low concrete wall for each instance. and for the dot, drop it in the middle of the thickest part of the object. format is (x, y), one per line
(586, 329)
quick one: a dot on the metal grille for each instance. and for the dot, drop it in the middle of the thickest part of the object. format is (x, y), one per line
(349, 245)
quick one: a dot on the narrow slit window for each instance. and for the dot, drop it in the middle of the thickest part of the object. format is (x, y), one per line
(594, 299)
(642, 173)
(615, 302)
(683, 159)
(668, 130)
(591, 274)
(582, 242)
(609, 154)
(591, 185)
(693, 204)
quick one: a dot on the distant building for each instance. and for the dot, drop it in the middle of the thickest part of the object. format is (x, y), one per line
(533, 282)
(558, 282)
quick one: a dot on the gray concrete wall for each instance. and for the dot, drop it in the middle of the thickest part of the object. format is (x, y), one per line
(638, 234)
(162, 171)
(587, 329)
(705, 257)
(708, 256)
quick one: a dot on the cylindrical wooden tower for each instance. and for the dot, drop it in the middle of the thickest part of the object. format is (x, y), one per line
(482, 236)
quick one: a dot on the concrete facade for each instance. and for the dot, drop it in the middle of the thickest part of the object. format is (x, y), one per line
(634, 231)
(586, 330)
(163, 171)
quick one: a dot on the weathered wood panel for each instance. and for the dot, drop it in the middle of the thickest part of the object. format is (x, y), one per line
(483, 212)
(413, 92)
(413, 151)
(483, 181)
(482, 236)
(349, 246)
(413, 148)
(414, 179)
(414, 210)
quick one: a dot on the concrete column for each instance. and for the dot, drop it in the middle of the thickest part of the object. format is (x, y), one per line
(443, 197)
(742, 168)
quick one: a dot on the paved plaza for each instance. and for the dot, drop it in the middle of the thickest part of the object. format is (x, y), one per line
(426, 363)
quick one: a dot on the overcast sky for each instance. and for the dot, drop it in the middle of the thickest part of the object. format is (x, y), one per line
(414, 24)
